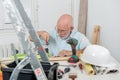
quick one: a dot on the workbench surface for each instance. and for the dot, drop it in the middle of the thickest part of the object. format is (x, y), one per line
(84, 76)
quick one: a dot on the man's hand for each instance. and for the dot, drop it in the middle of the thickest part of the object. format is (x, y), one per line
(69, 53)
(45, 35)
(64, 53)
(30, 38)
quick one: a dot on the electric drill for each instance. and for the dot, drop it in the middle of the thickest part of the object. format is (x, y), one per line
(73, 42)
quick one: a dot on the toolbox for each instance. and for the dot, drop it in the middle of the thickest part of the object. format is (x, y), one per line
(27, 73)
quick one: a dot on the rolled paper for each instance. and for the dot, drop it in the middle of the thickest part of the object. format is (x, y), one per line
(88, 68)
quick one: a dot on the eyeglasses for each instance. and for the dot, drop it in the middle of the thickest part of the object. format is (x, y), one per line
(61, 31)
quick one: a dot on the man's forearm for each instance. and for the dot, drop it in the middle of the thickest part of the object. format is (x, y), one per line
(69, 53)
(43, 34)
(79, 52)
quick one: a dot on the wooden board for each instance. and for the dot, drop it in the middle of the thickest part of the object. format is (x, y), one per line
(96, 35)
(59, 58)
(9, 60)
(82, 23)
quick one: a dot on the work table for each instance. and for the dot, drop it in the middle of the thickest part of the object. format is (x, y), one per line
(84, 76)
(77, 71)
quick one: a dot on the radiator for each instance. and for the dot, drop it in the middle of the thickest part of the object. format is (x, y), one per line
(5, 50)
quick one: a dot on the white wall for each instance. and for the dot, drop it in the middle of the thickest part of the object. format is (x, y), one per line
(50, 10)
(107, 14)
(7, 33)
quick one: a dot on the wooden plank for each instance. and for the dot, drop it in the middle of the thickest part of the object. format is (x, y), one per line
(8, 60)
(96, 35)
(82, 23)
(59, 58)
(53, 58)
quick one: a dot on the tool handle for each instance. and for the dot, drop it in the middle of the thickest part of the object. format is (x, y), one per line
(73, 51)
(80, 66)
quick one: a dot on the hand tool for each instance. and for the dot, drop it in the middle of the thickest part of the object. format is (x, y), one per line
(66, 70)
(61, 72)
(112, 71)
(46, 48)
(81, 67)
(73, 42)
(72, 76)
(69, 65)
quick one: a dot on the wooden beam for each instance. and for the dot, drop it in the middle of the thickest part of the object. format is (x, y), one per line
(82, 23)
(96, 35)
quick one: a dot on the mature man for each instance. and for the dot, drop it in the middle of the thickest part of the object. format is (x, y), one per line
(64, 30)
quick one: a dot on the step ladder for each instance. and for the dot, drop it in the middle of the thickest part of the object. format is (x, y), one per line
(24, 29)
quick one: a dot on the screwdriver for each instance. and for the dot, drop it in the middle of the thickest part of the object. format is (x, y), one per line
(66, 70)
(46, 48)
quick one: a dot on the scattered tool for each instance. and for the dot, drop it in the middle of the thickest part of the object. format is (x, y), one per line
(72, 76)
(73, 42)
(66, 70)
(61, 72)
(112, 71)
(47, 49)
(69, 66)
(81, 67)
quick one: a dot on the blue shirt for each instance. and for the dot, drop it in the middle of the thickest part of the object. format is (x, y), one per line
(56, 44)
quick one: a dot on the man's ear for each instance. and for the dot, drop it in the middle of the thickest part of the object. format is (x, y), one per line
(72, 28)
